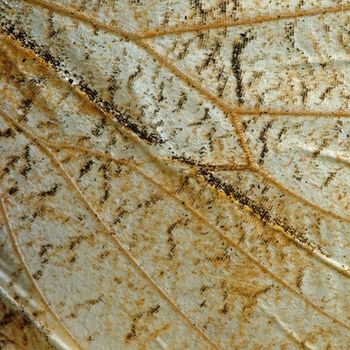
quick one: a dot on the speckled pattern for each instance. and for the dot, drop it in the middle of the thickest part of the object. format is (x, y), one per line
(173, 174)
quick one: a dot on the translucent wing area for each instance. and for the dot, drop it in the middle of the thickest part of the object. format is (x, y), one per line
(173, 175)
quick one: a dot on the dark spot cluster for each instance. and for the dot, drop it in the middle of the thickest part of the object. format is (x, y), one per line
(154, 310)
(153, 200)
(28, 42)
(171, 240)
(8, 318)
(219, 7)
(45, 54)
(76, 241)
(25, 106)
(38, 274)
(122, 117)
(238, 48)
(262, 213)
(28, 166)
(133, 334)
(49, 193)
(105, 168)
(263, 139)
(13, 190)
(7, 133)
(86, 168)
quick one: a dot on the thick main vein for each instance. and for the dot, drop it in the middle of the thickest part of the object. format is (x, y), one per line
(337, 266)
(193, 211)
(71, 183)
(227, 167)
(321, 310)
(199, 216)
(137, 39)
(219, 103)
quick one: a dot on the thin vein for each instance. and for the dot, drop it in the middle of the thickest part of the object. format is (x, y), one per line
(231, 111)
(290, 333)
(41, 103)
(251, 164)
(129, 37)
(339, 267)
(250, 21)
(9, 339)
(219, 103)
(41, 329)
(230, 242)
(208, 166)
(99, 154)
(291, 113)
(237, 111)
(129, 162)
(269, 178)
(19, 254)
(196, 214)
(226, 167)
(336, 265)
(136, 167)
(124, 250)
(309, 302)
(222, 234)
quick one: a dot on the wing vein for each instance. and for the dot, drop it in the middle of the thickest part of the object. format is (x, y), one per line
(250, 21)
(202, 218)
(2, 333)
(19, 254)
(228, 167)
(135, 166)
(124, 250)
(269, 178)
(71, 12)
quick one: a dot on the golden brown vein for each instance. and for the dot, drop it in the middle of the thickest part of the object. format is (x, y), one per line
(71, 183)
(19, 254)
(261, 173)
(291, 113)
(232, 113)
(136, 167)
(203, 219)
(219, 103)
(137, 39)
(229, 167)
(288, 331)
(250, 21)
(269, 178)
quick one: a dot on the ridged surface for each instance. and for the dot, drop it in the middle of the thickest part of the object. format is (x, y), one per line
(174, 175)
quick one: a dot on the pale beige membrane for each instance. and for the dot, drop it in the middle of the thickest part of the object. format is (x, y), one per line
(175, 178)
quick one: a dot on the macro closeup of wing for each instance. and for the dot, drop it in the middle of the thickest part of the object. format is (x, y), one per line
(174, 174)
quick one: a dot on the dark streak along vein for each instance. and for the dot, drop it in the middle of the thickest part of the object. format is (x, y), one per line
(108, 107)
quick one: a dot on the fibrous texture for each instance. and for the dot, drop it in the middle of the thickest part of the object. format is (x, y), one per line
(174, 174)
